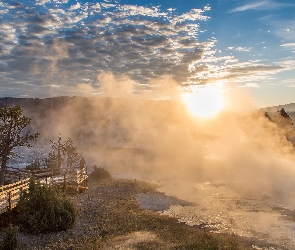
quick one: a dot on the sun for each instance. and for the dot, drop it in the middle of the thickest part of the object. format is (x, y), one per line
(205, 102)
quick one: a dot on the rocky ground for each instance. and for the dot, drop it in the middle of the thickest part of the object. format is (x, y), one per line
(109, 217)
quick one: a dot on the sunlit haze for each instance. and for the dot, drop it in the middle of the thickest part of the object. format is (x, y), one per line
(205, 102)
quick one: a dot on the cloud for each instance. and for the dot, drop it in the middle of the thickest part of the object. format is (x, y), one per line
(53, 43)
(261, 5)
(193, 15)
(288, 64)
(42, 2)
(142, 42)
(75, 6)
(85, 89)
(240, 49)
(288, 45)
(134, 10)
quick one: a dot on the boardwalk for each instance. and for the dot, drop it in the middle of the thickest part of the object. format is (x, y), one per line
(10, 194)
(75, 181)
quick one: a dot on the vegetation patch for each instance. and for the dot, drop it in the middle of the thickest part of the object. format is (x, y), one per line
(45, 209)
(100, 173)
(108, 215)
(9, 241)
(119, 215)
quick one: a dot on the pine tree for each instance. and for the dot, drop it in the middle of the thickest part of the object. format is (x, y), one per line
(13, 133)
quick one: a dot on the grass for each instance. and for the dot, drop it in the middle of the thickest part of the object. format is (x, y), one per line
(111, 216)
(119, 215)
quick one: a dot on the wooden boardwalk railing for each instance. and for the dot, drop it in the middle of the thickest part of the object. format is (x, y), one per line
(13, 174)
(10, 194)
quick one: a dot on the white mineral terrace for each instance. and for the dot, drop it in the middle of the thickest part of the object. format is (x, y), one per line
(223, 210)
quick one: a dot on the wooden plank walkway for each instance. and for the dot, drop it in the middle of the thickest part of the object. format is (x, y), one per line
(75, 181)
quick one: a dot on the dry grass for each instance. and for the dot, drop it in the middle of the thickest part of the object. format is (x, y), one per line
(123, 225)
(109, 217)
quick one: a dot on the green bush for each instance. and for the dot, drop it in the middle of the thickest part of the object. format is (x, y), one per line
(45, 209)
(100, 173)
(9, 241)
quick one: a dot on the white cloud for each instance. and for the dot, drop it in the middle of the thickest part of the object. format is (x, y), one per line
(244, 49)
(261, 5)
(133, 10)
(107, 6)
(95, 9)
(60, 1)
(288, 64)
(75, 6)
(64, 45)
(193, 15)
(288, 45)
(42, 2)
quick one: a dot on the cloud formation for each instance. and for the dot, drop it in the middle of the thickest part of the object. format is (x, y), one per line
(62, 43)
(260, 5)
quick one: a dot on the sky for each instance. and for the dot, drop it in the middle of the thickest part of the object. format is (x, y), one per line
(61, 47)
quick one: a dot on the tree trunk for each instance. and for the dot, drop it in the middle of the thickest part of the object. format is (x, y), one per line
(2, 172)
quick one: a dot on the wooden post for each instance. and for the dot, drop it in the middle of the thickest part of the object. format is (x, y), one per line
(9, 201)
(77, 181)
(86, 181)
(64, 187)
(51, 180)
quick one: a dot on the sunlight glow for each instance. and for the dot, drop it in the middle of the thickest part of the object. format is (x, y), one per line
(204, 102)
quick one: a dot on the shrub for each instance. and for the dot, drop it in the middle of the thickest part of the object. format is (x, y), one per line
(9, 241)
(45, 209)
(100, 173)
(34, 166)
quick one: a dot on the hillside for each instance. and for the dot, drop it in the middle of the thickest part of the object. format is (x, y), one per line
(288, 107)
(292, 115)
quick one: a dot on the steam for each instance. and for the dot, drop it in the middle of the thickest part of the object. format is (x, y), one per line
(125, 131)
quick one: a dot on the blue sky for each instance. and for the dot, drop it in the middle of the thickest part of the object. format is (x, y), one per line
(60, 47)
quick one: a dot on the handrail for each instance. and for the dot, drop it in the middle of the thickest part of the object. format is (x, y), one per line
(10, 193)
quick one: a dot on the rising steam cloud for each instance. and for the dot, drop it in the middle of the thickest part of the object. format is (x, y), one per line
(128, 132)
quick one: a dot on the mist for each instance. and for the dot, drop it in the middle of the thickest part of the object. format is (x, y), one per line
(129, 133)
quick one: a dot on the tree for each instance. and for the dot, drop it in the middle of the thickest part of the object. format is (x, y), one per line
(70, 151)
(13, 133)
(54, 159)
(283, 119)
(52, 162)
(61, 154)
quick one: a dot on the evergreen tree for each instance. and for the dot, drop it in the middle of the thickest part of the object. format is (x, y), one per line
(283, 119)
(71, 154)
(12, 134)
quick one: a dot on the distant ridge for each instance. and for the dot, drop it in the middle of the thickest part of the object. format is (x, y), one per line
(287, 107)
